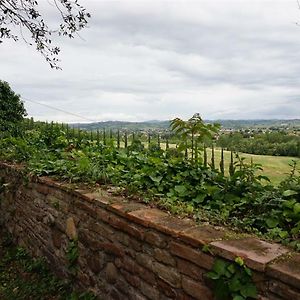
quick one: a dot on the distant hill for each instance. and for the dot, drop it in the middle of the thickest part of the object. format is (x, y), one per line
(248, 124)
(148, 125)
(164, 125)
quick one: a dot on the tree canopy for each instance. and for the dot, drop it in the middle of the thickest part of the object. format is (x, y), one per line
(26, 15)
(12, 109)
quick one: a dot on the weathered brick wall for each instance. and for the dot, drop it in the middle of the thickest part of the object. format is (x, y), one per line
(131, 251)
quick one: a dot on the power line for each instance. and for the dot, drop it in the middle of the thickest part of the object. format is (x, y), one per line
(59, 109)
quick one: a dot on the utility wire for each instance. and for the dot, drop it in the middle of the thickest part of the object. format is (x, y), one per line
(61, 110)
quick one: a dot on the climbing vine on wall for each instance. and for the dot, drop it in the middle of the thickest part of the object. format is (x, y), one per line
(232, 280)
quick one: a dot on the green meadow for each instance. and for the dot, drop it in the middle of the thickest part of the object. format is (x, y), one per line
(274, 167)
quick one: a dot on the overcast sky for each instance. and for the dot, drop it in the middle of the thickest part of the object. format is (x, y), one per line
(145, 60)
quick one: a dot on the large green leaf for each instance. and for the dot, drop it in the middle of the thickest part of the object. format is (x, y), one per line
(272, 222)
(180, 189)
(249, 290)
(156, 179)
(296, 208)
(289, 193)
(238, 297)
(220, 266)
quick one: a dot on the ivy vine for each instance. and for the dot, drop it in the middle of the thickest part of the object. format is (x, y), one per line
(232, 280)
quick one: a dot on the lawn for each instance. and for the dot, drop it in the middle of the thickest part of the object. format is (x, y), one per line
(274, 167)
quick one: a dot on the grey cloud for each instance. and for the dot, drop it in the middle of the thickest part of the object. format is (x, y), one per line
(160, 59)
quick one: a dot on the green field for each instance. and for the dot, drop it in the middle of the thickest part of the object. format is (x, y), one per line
(275, 167)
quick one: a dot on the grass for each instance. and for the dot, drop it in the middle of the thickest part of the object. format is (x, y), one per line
(275, 168)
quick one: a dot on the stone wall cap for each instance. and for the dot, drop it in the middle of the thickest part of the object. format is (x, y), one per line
(203, 234)
(286, 270)
(256, 253)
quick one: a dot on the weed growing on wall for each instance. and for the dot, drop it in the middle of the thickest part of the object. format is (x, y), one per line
(72, 255)
(22, 277)
(232, 280)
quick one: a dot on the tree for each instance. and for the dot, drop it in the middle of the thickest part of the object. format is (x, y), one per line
(12, 110)
(195, 130)
(26, 15)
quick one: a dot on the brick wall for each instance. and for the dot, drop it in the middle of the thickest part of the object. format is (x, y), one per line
(132, 251)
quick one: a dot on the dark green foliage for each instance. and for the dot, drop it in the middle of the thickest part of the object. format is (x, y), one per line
(104, 136)
(149, 139)
(193, 130)
(212, 164)
(118, 139)
(232, 280)
(222, 169)
(231, 165)
(244, 199)
(12, 111)
(22, 277)
(205, 156)
(72, 257)
(196, 152)
(278, 143)
(98, 137)
(126, 140)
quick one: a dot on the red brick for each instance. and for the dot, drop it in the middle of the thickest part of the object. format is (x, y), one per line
(56, 237)
(122, 286)
(190, 269)
(43, 189)
(85, 238)
(164, 257)
(116, 295)
(146, 275)
(128, 264)
(145, 260)
(123, 225)
(149, 291)
(102, 229)
(283, 290)
(168, 274)
(103, 214)
(134, 295)
(95, 262)
(196, 289)
(199, 258)
(286, 270)
(155, 239)
(131, 266)
(87, 207)
(111, 248)
(166, 289)
(131, 279)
